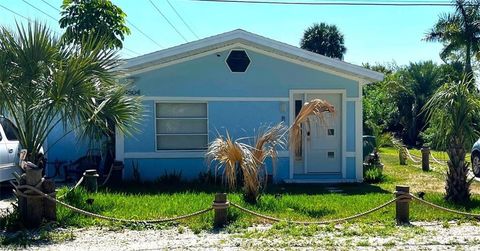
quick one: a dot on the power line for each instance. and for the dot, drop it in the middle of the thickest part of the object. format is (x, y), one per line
(143, 33)
(53, 7)
(331, 3)
(173, 26)
(133, 52)
(33, 6)
(185, 23)
(22, 16)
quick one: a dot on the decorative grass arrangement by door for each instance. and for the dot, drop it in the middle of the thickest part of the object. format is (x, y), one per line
(239, 162)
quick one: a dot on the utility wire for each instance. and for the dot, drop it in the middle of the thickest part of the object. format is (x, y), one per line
(20, 15)
(28, 19)
(143, 33)
(33, 6)
(53, 7)
(173, 26)
(332, 3)
(133, 52)
(179, 16)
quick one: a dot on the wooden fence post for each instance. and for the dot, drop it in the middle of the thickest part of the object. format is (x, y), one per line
(91, 180)
(425, 158)
(402, 155)
(49, 207)
(220, 206)
(33, 206)
(402, 214)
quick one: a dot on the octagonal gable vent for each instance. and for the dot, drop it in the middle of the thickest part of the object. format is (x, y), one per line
(238, 61)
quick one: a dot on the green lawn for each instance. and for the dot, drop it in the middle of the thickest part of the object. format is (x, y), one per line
(296, 202)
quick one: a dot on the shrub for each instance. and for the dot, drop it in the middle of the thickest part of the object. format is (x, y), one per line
(373, 175)
(172, 178)
(373, 168)
(10, 221)
(136, 172)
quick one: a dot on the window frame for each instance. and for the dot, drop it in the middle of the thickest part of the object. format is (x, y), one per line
(187, 134)
(238, 72)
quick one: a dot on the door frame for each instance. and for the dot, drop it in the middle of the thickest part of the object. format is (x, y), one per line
(343, 95)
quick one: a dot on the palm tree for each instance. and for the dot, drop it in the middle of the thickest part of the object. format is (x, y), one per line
(452, 112)
(413, 86)
(459, 32)
(324, 39)
(45, 83)
(240, 161)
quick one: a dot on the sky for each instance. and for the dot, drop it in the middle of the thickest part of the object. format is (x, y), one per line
(373, 34)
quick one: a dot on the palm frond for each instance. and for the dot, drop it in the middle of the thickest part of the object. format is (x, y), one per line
(313, 110)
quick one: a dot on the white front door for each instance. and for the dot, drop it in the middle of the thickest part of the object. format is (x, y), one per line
(323, 140)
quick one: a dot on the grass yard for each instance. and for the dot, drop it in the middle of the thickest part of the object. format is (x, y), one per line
(296, 202)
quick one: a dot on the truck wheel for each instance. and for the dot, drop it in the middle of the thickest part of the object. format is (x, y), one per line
(476, 164)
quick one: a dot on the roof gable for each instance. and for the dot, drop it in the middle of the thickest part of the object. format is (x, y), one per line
(236, 37)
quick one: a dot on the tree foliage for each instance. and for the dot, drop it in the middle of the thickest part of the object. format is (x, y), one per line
(324, 39)
(459, 32)
(379, 112)
(101, 18)
(453, 111)
(45, 83)
(395, 104)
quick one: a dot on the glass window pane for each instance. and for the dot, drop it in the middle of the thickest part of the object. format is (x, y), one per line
(181, 126)
(181, 142)
(9, 129)
(181, 110)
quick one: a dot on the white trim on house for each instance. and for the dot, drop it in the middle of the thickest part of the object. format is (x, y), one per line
(206, 99)
(179, 101)
(343, 94)
(239, 72)
(174, 154)
(244, 46)
(324, 181)
(232, 39)
(358, 137)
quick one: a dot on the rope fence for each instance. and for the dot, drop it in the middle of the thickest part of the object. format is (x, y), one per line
(220, 208)
(103, 217)
(316, 222)
(413, 158)
(418, 159)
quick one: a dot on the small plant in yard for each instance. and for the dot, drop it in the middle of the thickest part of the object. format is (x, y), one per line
(373, 168)
(170, 178)
(10, 220)
(373, 175)
(241, 163)
(136, 172)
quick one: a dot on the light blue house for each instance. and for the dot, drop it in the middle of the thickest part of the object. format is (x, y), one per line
(239, 81)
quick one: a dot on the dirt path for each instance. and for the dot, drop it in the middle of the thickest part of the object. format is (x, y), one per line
(422, 236)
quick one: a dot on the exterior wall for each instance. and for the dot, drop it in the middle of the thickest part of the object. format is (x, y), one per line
(241, 119)
(237, 102)
(64, 146)
(209, 76)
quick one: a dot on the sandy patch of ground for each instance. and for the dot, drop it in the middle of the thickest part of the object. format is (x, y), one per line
(423, 236)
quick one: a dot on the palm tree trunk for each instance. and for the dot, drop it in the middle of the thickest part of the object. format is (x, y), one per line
(457, 187)
(468, 61)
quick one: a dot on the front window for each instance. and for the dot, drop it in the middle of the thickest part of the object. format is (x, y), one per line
(181, 126)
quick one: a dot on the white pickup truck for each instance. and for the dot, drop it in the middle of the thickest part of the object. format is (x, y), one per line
(9, 146)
